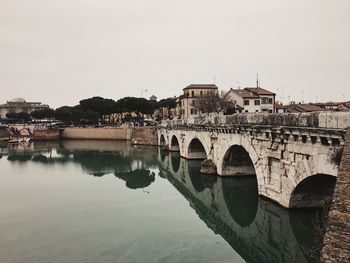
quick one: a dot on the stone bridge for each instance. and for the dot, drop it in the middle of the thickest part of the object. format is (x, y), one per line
(293, 156)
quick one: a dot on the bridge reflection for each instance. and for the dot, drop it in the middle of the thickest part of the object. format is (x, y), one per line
(259, 230)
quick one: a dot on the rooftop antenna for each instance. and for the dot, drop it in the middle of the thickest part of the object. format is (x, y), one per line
(257, 80)
(237, 82)
(302, 96)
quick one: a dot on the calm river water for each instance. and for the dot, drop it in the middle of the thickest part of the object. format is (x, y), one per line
(103, 201)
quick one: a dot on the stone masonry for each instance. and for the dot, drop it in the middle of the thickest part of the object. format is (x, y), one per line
(336, 247)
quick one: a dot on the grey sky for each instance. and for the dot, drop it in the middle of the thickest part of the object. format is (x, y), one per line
(60, 51)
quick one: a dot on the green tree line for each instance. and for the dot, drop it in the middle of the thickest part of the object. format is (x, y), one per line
(95, 109)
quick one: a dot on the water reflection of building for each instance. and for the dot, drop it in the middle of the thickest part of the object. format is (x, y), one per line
(257, 229)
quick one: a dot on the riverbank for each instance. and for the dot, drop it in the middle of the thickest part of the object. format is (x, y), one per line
(137, 135)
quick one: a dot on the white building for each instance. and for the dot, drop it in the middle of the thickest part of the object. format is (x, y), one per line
(252, 99)
(20, 105)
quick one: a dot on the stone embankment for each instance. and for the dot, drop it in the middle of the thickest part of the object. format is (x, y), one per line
(4, 134)
(96, 133)
(144, 136)
(137, 135)
(336, 247)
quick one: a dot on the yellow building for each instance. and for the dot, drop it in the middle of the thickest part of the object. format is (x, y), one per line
(186, 103)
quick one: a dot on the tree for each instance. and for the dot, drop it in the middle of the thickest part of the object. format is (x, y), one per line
(166, 103)
(92, 116)
(11, 115)
(99, 105)
(211, 102)
(63, 113)
(132, 104)
(43, 113)
(23, 116)
(77, 115)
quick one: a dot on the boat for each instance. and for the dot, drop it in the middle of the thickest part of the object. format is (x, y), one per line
(23, 140)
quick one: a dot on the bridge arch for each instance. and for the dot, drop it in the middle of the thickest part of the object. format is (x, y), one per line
(237, 161)
(174, 144)
(196, 150)
(314, 191)
(162, 141)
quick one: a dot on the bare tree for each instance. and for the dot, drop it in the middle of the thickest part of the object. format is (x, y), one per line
(212, 102)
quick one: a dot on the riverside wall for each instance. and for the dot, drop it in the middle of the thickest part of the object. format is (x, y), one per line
(336, 244)
(96, 133)
(4, 134)
(144, 136)
(137, 135)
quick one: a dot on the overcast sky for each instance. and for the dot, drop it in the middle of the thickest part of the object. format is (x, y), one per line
(61, 51)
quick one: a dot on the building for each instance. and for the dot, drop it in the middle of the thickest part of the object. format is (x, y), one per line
(280, 108)
(335, 106)
(20, 105)
(186, 104)
(302, 107)
(153, 98)
(252, 99)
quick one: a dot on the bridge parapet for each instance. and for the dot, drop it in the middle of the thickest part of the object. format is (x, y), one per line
(327, 119)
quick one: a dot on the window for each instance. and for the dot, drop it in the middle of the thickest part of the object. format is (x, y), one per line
(266, 100)
(246, 102)
(192, 93)
(256, 110)
(193, 111)
(246, 111)
(201, 92)
(256, 102)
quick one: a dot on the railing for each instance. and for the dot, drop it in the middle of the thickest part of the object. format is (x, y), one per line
(325, 120)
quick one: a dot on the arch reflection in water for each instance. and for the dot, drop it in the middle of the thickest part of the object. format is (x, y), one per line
(257, 229)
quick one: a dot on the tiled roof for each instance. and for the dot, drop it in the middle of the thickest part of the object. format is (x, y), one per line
(304, 108)
(260, 91)
(243, 93)
(201, 86)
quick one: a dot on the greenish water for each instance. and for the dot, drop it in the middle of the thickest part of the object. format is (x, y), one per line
(103, 201)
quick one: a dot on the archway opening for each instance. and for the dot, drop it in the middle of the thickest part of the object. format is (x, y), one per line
(237, 162)
(314, 191)
(175, 146)
(161, 140)
(196, 150)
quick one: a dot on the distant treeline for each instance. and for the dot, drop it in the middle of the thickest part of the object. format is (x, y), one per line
(95, 109)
